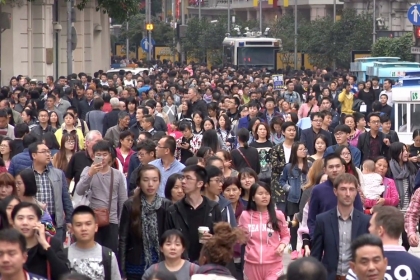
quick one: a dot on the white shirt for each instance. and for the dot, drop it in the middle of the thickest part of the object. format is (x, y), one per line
(389, 94)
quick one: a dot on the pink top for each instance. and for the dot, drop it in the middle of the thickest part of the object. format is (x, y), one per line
(304, 110)
(353, 140)
(391, 195)
(262, 244)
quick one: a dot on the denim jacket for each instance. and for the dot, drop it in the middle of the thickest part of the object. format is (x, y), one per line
(292, 179)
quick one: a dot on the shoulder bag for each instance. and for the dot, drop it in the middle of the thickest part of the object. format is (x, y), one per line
(247, 162)
(102, 214)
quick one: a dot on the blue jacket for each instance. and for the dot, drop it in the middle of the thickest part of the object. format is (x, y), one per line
(228, 215)
(356, 155)
(144, 88)
(295, 179)
(19, 162)
(243, 122)
(132, 165)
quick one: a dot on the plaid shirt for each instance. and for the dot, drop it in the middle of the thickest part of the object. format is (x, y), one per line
(412, 214)
(45, 191)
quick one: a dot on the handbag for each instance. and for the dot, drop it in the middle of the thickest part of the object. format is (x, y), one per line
(102, 214)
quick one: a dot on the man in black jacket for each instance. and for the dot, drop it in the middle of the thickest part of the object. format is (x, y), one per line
(373, 143)
(197, 103)
(308, 135)
(193, 211)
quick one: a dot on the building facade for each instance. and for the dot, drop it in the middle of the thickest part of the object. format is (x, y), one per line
(36, 44)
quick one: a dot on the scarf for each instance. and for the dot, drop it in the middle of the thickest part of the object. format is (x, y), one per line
(400, 173)
(150, 227)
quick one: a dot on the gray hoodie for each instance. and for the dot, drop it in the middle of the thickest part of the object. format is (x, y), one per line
(228, 215)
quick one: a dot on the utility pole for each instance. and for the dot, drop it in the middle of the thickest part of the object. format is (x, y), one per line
(199, 10)
(374, 22)
(296, 35)
(229, 16)
(127, 43)
(183, 24)
(260, 2)
(69, 47)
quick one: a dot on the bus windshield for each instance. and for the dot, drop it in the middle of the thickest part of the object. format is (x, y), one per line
(256, 56)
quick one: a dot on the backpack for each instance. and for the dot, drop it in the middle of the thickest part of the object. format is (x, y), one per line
(192, 266)
(82, 122)
(106, 260)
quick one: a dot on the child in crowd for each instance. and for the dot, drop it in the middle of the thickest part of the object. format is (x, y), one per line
(373, 187)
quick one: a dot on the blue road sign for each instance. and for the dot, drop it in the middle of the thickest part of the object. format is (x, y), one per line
(145, 44)
(413, 14)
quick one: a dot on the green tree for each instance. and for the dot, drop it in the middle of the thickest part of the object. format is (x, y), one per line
(204, 39)
(394, 47)
(326, 41)
(162, 33)
(284, 29)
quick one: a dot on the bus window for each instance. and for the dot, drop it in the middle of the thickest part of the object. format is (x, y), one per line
(259, 56)
(406, 124)
(228, 54)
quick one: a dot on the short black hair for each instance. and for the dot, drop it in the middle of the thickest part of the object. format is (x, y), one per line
(147, 145)
(170, 143)
(151, 103)
(199, 171)
(28, 139)
(82, 209)
(11, 235)
(102, 146)
(342, 128)
(373, 115)
(3, 113)
(73, 109)
(33, 148)
(331, 157)
(213, 171)
(24, 204)
(365, 240)
(211, 159)
(307, 269)
(21, 129)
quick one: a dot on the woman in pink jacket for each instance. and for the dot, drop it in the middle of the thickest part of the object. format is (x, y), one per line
(268, 235)
(390, 196)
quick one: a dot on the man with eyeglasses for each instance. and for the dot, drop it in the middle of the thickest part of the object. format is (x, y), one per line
(341, 134)
(166, 161)
(213, 189)
(146, 151)
(373, 143)
(193, 211)
(308, 135)
(52, 188)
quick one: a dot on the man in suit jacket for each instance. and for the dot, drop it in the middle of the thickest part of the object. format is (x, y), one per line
(308, 135)
(338, 227)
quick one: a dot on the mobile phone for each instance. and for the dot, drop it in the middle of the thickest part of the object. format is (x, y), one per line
(97, 160)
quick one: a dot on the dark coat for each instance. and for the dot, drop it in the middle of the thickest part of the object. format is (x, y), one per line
(308, 138)
(325, 242)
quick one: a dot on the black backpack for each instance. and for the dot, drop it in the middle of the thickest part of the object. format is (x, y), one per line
(106, 260)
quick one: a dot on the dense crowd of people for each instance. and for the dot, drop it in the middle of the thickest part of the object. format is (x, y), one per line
(187, 173)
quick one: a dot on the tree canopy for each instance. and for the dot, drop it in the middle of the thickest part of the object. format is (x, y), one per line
(394, 47)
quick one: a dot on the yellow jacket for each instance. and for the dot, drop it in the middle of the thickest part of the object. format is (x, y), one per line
(346, 101)
(80, 138)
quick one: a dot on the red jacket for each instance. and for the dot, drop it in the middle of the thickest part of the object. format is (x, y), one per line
(125, 162)
(391, 195)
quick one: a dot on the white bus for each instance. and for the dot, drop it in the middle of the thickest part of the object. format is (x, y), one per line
(251, 51)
